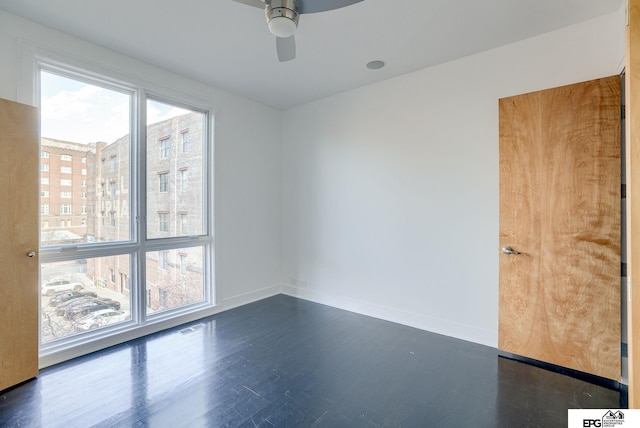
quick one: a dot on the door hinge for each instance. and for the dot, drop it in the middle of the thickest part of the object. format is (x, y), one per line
(623, 191)
(623, 269)
(623, 112)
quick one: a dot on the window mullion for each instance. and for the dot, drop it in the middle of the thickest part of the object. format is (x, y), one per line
(141, 301)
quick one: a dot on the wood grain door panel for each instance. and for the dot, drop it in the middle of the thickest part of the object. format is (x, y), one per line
(560, 206)
(19, 176)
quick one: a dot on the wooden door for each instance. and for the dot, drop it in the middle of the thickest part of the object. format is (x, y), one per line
(560, 207)
(19, 176)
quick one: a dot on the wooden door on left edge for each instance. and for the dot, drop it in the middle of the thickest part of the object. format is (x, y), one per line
(19, 179)
(560, 209)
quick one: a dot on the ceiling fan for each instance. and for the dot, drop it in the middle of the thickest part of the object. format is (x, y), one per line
(282, 19)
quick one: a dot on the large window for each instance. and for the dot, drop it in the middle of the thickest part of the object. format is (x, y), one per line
(121, 258)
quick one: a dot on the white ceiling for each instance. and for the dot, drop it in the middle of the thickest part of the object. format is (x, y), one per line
(227, 44)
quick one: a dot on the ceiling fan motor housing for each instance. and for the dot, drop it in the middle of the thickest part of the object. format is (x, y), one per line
(282, 17)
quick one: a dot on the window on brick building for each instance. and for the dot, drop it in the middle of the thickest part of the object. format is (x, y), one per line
(184, 178)
(164, 181)
(164, 260)
(184, 226)
(185, 141)
(164, 148)
(163, 222)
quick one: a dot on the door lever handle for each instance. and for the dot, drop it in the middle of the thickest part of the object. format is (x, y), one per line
(509, 250)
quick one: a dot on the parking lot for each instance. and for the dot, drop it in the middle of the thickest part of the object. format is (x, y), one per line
(57, 326)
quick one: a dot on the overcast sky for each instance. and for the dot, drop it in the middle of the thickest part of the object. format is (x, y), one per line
(82, 113)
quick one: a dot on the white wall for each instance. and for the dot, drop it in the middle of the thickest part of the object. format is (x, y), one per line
(390, 192)
(247, 154)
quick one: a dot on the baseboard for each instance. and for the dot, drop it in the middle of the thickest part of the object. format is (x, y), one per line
(250, 297)
(422, 322)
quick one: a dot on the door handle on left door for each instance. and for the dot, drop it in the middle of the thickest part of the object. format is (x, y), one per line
(31, 254)
(509, 250)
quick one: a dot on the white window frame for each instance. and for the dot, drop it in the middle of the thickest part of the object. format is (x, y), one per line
(139, 245)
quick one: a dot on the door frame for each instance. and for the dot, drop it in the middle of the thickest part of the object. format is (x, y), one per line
(632, 166)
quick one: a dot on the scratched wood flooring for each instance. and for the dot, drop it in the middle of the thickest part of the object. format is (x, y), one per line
(285, 362)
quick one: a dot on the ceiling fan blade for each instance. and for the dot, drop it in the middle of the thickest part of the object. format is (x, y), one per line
(286, 47)
(313, 6)
(255, 3)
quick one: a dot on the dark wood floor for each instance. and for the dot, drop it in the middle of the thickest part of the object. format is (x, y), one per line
(286, 362)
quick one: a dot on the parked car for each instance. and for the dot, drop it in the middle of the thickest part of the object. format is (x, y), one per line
(78, 311)
(49, 288)
(62, 308)
(101, 318)
(114, 303)
(65, 296)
